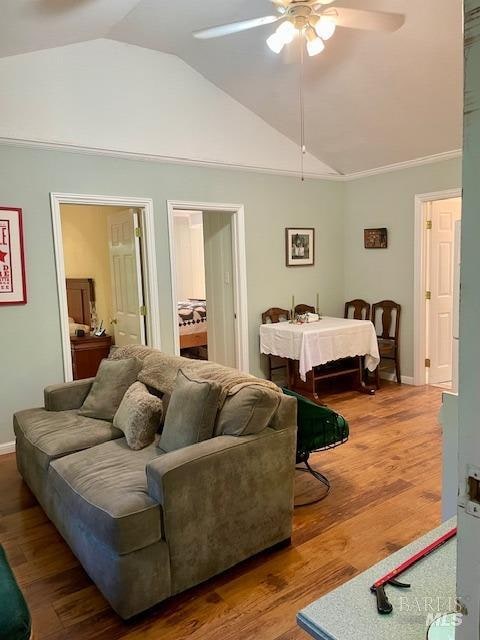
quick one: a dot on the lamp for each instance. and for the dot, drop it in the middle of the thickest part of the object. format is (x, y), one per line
(282, 36)
(315, 45)
(275, 42)
(286, 31)
(315, 26)
(324, 26)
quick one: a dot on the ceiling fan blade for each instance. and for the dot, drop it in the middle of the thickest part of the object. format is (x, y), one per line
(234, 27)
(369, 20)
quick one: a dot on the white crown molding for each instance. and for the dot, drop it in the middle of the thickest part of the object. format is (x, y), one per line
(130, 155)
(7, 447)
(409, 164)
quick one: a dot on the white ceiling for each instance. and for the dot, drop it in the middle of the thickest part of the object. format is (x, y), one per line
(372, 99)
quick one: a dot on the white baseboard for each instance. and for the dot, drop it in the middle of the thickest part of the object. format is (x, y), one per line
(7, 447)
(392, 378)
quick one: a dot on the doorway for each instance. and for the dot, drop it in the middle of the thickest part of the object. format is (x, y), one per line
(208, 277)
(437, 289)
(106, 278)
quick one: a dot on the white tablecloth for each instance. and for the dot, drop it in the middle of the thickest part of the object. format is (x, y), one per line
(321, 342)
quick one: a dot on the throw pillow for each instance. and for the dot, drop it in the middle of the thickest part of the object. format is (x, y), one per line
(247, 411)
(191, 413)
(111, 382)
(138, 416)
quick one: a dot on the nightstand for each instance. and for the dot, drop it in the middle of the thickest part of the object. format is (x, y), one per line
(87, 353)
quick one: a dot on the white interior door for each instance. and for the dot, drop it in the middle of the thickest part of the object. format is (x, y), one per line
(127, 285)
(444, 215)
(220, 287)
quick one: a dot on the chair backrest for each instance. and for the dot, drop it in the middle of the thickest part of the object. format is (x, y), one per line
(274, 315)
(386, 318)
(300, 309)
(361, 309)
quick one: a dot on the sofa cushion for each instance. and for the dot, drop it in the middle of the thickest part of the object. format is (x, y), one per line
(54, 434)
(138, 416)
(106, 488)
(191, 413)
(111, 382)
(247, 411)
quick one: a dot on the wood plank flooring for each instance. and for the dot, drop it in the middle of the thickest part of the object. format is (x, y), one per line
(385, 493)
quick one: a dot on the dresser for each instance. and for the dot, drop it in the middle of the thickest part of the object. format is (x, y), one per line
(87, 353)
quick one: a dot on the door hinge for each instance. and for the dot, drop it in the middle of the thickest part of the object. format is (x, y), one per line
(428, 363)
(428, 295)
(143, 310)
(428, 225)
(138, 232)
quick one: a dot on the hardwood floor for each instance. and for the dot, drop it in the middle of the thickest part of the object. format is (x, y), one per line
(385, 493)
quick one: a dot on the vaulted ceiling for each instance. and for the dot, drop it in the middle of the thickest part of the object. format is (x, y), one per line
(372, 99)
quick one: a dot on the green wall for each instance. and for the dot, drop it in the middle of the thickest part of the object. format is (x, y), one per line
(387, 200)
(30, 344)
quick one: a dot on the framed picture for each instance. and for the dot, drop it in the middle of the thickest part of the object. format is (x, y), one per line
(300, 247)
(376, 238)
(13, 288)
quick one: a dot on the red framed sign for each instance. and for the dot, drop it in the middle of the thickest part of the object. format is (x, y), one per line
(13, 288)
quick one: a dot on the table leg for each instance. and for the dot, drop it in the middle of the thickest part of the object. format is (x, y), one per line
(363, 387)
(291, 373)
(314, 388)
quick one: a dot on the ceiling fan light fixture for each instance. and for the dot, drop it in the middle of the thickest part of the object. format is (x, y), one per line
(325, 27)
(286, 31)
(315, 45)
(275, 42)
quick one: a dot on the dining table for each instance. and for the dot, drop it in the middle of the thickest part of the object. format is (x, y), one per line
(326, 348)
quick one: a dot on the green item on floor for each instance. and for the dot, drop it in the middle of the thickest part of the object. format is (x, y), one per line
(15, 621)
(318, 427)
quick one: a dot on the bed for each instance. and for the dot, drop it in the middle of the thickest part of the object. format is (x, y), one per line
(192, 323)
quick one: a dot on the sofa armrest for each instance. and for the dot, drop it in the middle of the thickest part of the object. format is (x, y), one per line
(69, 395)
(224, 500)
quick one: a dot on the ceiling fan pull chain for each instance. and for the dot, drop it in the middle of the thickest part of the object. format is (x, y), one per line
(302, 116)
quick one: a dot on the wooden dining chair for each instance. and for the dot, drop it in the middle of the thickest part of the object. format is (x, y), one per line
(300, 309)
(386, 319)
(361, 309)
(272, 316)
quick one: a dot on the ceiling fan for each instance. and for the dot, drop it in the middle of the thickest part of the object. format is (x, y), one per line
(316, 20)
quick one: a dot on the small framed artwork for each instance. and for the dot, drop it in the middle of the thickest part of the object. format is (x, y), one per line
(13, 289)
(300, 247)
(376, 238)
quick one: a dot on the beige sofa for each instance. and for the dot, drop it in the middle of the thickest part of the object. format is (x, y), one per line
(146, 524)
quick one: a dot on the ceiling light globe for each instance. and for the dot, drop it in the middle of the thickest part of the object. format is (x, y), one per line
(275, 43)
(286, 31)
(314, 47)
(325, 28)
